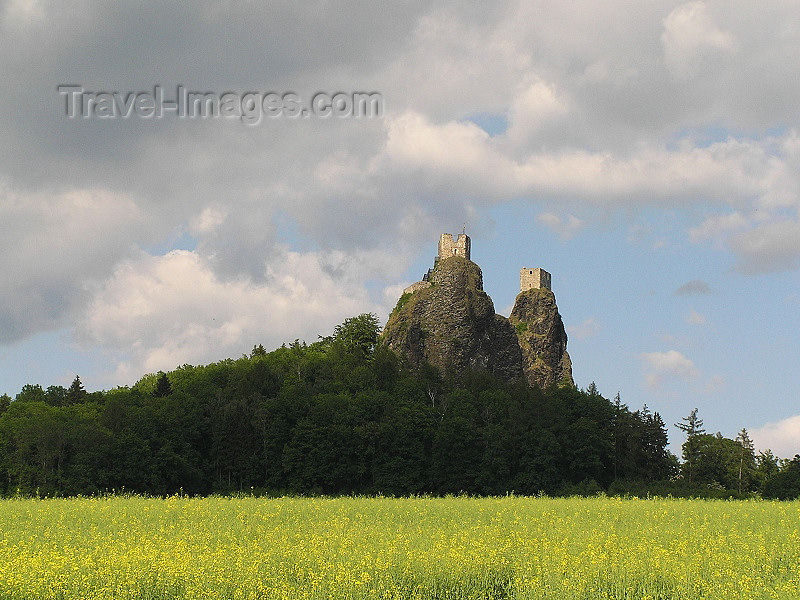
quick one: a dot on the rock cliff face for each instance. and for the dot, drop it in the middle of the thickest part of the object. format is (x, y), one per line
(542, 338)
(452, 324)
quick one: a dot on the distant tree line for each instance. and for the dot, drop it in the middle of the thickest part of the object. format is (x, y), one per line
(345, 415)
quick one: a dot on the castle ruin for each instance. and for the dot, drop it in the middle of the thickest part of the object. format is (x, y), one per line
(449, 321)
(450, 245)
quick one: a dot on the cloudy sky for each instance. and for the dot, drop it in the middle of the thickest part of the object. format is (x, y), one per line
(644, 152)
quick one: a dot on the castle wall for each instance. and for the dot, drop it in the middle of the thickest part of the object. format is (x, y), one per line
(451, 246)
(533, 278)
(420, 285)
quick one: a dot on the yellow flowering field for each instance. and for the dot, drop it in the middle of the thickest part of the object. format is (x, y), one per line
(510, 547)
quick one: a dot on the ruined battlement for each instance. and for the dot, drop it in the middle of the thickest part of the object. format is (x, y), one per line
(449, 246)
(420, 285)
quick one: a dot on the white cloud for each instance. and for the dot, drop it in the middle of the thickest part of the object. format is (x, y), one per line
(536, 107)
(53, 246)
(441, 152)
(465, 160)
(163, 311)
(693, 287)
(588, 328)
(692, 40)
(208, 220)
(718, 227)
(772, 246)
(782, 437)
(18, 13)
(566, 227)
(461, 59)
(666, 366)
(695, 318)
(715, 384)
(762, 241)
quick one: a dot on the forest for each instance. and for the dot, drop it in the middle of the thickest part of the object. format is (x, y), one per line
(346, 415)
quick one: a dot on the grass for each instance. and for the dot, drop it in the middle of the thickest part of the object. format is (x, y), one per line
(402, 302)
(511, 547)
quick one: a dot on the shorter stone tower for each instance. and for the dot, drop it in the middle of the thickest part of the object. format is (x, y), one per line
(450, 246)
(533, 278)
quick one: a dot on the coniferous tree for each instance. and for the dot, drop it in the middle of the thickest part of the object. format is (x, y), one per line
(163, 386)
(747, 463)
(75, 393)
(693, 427)
(659, 462)
(620, 411)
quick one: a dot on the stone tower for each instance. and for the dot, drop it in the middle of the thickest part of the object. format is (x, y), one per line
(533, 278)
(451, 246)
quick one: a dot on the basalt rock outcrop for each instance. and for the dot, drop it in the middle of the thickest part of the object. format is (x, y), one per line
(452, 324)
(449, 321)
(542, 338)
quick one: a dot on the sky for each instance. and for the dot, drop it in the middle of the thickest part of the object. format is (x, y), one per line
(645, 153)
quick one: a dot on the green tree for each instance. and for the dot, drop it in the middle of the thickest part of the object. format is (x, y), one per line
(237, 442)
(655, 462)
(359, 333)
(693, 428)
(456, 445)
(785, 485)
(5, 402)
(747, 461)
(84, 466)
(402, 443)
(33, 439)
(75, 393)
(56, 395)
(163, 386)
(767, 466)
(31, 393)
(324, 455)
(626, 441)
(716, 461)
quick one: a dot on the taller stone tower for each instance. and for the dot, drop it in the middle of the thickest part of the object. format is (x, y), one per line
(451, 246)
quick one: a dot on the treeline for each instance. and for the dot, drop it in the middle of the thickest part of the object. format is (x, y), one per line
(344, 415)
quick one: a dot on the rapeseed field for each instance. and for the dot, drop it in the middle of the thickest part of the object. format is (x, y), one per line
(383, 548)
